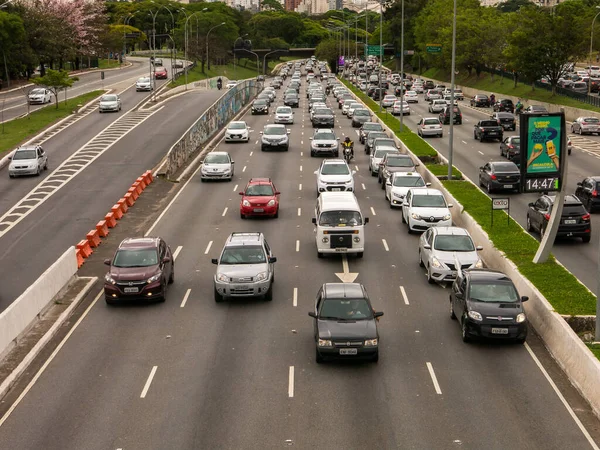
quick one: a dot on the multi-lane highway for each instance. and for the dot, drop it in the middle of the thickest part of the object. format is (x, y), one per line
(193, 374)
(38, 236)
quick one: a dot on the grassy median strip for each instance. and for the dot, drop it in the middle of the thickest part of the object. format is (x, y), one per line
(17, 131)
(560, 287)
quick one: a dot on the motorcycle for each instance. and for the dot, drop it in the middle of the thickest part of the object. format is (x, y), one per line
(348, 150)
(219, 85)
(519, 108)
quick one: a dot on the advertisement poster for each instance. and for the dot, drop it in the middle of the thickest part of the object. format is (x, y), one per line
(341, 60)
(543, 145)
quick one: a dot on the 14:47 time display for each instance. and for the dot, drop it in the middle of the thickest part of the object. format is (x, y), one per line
(539, 184)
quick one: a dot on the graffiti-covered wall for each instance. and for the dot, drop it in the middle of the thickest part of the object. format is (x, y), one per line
(209, 123)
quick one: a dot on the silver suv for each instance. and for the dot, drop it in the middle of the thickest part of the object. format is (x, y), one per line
(275, 137)
(245, 268)
(324, 141)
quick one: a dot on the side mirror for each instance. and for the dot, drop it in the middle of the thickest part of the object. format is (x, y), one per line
(481, 168)
(338, 139)
(479, 248)
(427, 184)
(310, 139)
(316, 172)
(312, 314)
(388, 183)
(214, 261)
(107, 262)
(314, 220)
(232, 162)
(277, 193)
(241, 193)
(579, 184)
(10, 158)
(524, 298)
(378, 314)
(366, 220)
(166, 259)
(272, 259)
(530, 204)
(260, 132)
(427, 246)
(417, 165)
(289, 131)
(353, 172)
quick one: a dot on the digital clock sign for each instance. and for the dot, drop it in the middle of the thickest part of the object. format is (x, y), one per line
(541, 184)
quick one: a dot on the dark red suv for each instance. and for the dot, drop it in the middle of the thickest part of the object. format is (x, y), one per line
(140, 270)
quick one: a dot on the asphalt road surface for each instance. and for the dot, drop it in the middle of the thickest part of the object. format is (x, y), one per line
(193, 374)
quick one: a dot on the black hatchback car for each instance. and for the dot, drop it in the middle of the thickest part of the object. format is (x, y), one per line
(480, 100)
(500, 176)
(504, 105)
(588, 191)
(506, 120)
(574, 222)
(345, 323)
(486, 304)
(260, 106)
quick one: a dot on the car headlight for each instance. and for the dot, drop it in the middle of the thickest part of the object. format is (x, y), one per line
(371, 343)
(475, 316)
(447, 217)
(415, 216)
(271, 203)
(325, 343)
(154, 278)
(222, 277)
(436, 263)
(350, 181)
(109, 279)
(478, 264)
(245, 203)
(325, 240)
(395, 194)
(261, 276)
(521, 318)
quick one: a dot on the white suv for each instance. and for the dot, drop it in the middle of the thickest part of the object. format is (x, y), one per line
(425, 208)
(397, 186)
(334, 175)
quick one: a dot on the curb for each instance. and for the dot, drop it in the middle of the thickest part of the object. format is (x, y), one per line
(39, 346)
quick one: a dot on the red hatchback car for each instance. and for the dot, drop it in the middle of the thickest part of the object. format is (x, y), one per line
(260, 198)
(161, 73)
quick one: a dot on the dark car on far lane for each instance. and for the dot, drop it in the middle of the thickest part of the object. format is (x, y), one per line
(488, 129)
(511, 148)
(504, 105)
(574, 222)
(588, 191)
(366, 128)
(506, 120)
(360, 116)
(500, 176)
(445, 116)
(260, 106)
(480, 100)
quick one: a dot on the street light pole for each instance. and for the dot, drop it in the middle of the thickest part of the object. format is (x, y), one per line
(207, 34)
(125, 23)
(402, 70)
(380, 50)
(590, 60)
(452, 80)
(185, 70)
(152, 78)
(235, 42)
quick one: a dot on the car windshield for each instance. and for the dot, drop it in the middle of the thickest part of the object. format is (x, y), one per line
(109, 98)
(490, 292)
(346, 309)
(488, 123)
(136, 258)
(323, 112)
(376, 135)
(277, 131)
(260, 102)
(216, 159)
(284, 110)
(429, 201)
(259, 190)
(385, 142)
(431, 122)
(144, 80)
(340, 218)
(380, 153)
(37, 92)
(505, 167)
(243, 255)
(400, 162)
(291, 96)
(372, 127)
(409, 182)
(335, 169)
(453, 243)
(24, 154)
(324, 136)
(591, 120)
(237, 125)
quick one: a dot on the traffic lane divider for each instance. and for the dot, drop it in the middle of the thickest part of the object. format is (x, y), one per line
(117, 211)
(93, 238)
(133, 190)
(102, 228)
(85, 248)
(80, 258)
(111, 220)
(129, 200)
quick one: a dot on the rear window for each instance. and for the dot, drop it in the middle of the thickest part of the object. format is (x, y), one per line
(488, 123)
(591, 120)
(431, 122)
(574, 209)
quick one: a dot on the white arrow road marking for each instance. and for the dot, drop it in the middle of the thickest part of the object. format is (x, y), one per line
(346, 276)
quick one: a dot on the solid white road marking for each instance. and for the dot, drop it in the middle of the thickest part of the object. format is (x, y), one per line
(403, 292)
(300, 187)
(235, 188)
(208, 248)
(148, 382)
(364, 187)
(177, 251)
(299, 212)
(295, 298)
(373, 211)
(291, 383)
(387, 249)
(301, 154)
(480, 152)
(224, 212)
(297, 245)
(244, 169)
(357, 169)
(434, 379)
(562, 399)
(185, 298)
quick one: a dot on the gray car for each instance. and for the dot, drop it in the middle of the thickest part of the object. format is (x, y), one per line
(217, 166)
(109, 102)
(322, 117)
(245, 268)
(360, 116)
(28, 160)
(324, 141)
(275, 137)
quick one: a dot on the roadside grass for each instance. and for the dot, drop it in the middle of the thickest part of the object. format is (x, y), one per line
(441, 170)
(17, 131)
(506, 86)
(595, 348)
(559, 286)
(108, 63)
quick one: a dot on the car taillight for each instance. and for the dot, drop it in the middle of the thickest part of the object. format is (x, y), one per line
(547, 216)
(594, 193)
(585, 217)
(494, 177)
(511, 146)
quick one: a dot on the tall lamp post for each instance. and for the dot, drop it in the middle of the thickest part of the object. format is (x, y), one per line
(591, 46)
(173, 52)
(186, 41)
(265, 59)
(125, 23)
(235, 42)
(208, 34)
(402, 68)
(452, 75)
(381, 51)
(153, 51)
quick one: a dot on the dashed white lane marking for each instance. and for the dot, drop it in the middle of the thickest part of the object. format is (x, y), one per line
(300, 168)
(363, 186)
(301, 142)
(299, 212)
(251, 153)
(295, 297)
(300, 187)
(235, 188)
(434, 379)
(177, 251)
(297, 245)
(357, 169)
(387, 249)
(244, 169)
(148, 382)
(185, 298)
(256, 143)
(208, 248)
(373, 211)
(301, 154)
(480, 152)
(291, 383)
(464, 142)
(403, 293)
(224, 212)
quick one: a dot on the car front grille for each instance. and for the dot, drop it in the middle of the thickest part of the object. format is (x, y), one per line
(340, 241)
(462, 266)
(431, 219)
(243, 280)
(348, 344)
(131, 283)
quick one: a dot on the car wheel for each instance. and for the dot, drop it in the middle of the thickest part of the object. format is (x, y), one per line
(276, 215)
(408, 228)
(172, 276)
(360, 254)
(218, 297)
(318, 358)
(489, 188)
(572, 129)
(421, 264)
(452, 315)
(569, 151)
(465, 333)
(312, 154)
(375, 358)
(337, 154)
(319, 254)
(528, 224)
(109, 301)
(202, 180)
(430, 280)
(242, 216)
(521, 341)
(441, 135)
(402, 218)
(46, 165)
(580, 132)
(163, 295)
(586, 239)
(542, 231)
(269, 294)
(39, 171)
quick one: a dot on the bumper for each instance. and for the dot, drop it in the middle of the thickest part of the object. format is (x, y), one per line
(242, 290)
(398, 202)
(335, 188)
(492, 136)
(505, 186)
(509, 126)
(143, 88)
(284, 120)
(235, 138)
(422, 225)
(260, 111)
(109, 109)
(36, 102)
(491, 330)
(216, 176)
(20, 172)
(425, 132)
(324, 150)
(322, 123)
(258, 210)
(146, 292)
(578, 231)
(361, 352)
(265, 146)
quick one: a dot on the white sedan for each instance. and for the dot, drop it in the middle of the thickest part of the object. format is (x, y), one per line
(237, 131)
(398, 185)
(39, 95)
(400, 108)
(411, 97)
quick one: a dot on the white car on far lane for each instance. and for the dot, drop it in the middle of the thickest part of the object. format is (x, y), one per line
(39, 95)
(143, 84)
(411, 97)
(237, 131)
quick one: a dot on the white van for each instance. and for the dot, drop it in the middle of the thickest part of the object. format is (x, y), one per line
(339, 224)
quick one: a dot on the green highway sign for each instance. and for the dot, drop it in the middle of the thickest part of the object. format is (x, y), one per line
(374, 50)
(434, 48)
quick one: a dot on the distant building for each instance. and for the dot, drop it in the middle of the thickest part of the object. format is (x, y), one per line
(291, 5)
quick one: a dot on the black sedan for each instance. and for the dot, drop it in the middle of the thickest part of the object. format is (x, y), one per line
(504, 105)
(345, 324)
(511, 148)
(486, 304)
(588, 191)
(574, 221)
(260, 106)
(480, 100)
(506, 120)
(500, 176)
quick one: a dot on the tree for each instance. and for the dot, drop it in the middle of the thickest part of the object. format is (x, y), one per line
(271, 4)
(12, 33)
(327, 50)
(55, 81)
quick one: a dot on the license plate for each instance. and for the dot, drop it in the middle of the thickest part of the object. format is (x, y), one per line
(241, 287)
(570, 221)
(499, 330)
(259, 210)
(131, 290)
(492, 133)
(508, 186)
(341, 249)
(348, 351)
(336, 189)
